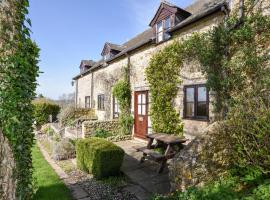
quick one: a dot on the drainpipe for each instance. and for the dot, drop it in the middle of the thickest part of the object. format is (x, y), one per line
(128, 67)
(92, 89)
(76, 93)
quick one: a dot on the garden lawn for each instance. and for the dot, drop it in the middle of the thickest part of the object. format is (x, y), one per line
(49, 185)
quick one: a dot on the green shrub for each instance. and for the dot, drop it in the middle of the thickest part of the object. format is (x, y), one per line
(63, 150)
(43, 109)
(101, 133)
(99, 157)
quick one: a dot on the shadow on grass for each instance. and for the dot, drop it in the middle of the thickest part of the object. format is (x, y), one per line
(53, 192)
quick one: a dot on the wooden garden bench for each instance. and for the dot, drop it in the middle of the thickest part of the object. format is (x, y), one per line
(162, 140)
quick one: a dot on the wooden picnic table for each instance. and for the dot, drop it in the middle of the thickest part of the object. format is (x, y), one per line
(162, 140)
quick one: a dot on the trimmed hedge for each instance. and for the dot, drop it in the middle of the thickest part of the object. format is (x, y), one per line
(99, 157)
(43, 109)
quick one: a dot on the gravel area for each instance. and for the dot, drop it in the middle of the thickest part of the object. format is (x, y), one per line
(98, 190)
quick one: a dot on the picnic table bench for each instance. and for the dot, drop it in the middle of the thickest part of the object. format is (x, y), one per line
(162, 140)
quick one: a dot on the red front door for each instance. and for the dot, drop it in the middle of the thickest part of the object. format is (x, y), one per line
(141, 114)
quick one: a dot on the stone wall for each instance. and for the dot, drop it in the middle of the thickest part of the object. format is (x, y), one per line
(204, 159)
(104, 80)
(84, 89)
(89, 127)
(106, 77)
(7, 183)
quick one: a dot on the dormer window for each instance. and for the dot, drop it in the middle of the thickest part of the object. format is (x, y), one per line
(107, 56)
(162, 27)
(166, 17)
(110, 50)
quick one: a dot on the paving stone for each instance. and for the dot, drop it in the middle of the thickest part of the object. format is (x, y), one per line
(77, 192)
(140, 193)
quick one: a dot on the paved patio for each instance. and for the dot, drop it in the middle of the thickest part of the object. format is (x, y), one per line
(145, 181)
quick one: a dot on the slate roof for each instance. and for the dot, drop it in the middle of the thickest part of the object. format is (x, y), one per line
(199, 9)
(116, 46)
(89, 63)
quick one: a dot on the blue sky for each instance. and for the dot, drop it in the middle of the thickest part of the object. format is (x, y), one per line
(68, 31)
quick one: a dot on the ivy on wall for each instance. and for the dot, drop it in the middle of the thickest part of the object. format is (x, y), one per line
(235, 57)
(18, 72)
(122, 92)
(163, 76)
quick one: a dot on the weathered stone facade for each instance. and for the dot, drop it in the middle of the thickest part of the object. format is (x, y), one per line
(105, 77)
(7, 165)
(89, 127)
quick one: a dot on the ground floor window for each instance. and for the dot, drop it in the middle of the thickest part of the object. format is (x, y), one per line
(196, 102)
(87, 102)
(101, 102)
(116, 109)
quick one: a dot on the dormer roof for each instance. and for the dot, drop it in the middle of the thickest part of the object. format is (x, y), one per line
(110, 46)
(166, 9)
(88, 63)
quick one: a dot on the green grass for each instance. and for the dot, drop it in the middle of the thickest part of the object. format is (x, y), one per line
(49, 186)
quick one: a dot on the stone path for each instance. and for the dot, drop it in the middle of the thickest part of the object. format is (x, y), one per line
(145, 181)
(84, 187)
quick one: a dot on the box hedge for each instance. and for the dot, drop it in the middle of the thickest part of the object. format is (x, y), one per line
(99, 157)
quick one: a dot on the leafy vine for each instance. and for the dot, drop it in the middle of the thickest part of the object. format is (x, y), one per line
(122, 92)
(18, 68)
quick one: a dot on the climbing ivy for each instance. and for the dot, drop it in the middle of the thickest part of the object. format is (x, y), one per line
(234, 56)
(122, 92)
(18, 72)
(163, 77)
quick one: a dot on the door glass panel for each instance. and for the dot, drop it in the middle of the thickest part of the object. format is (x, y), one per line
(189, 109)
(139, 109)
(143, 109)
(139, 99)
(143, 98)
(190, 94)
(201, 93)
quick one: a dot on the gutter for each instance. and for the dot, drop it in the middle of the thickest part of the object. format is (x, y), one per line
(126, 51)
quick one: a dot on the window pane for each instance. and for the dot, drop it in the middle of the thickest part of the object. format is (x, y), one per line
(202, 109)
(160, 36)
(167, 23)
(139, 99)
(190, 94)
(143, 109)
(189, 109)
(139, 109)
(159, 27)
(166, 36)
(143, 98)
(201, 93)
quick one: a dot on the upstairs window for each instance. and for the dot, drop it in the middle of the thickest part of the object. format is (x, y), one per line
(107, 56)
(196, 102)
(101, 102)
(87, 102)
(162, 27)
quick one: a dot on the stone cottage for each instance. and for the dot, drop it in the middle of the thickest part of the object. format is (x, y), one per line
(96, 79)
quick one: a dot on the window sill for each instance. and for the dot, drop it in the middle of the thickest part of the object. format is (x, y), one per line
(165, 40)
(196, 119)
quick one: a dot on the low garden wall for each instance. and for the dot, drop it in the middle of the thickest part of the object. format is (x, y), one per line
(7, 183)
(89, 127)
